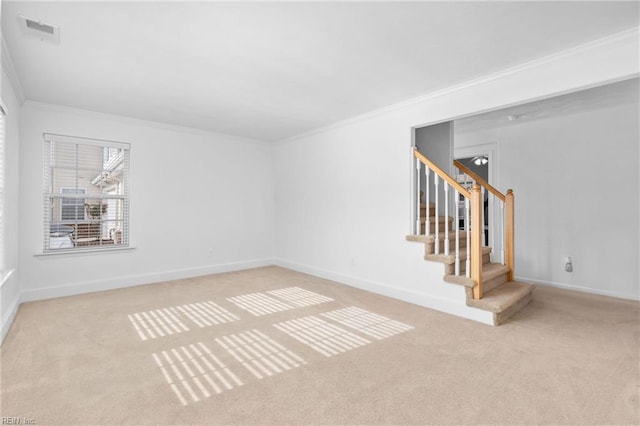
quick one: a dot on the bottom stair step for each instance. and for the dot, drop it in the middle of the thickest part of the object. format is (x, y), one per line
(504, 300)
(490, 272)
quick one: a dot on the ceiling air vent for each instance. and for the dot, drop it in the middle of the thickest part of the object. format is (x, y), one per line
(42, 30)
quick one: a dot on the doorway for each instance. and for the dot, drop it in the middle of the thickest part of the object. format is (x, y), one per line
(482, 159)
(478, 164)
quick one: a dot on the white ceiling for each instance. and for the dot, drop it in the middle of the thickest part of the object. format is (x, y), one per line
(272, 70)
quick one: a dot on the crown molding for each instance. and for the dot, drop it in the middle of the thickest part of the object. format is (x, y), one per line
(43, 106)
(630, 35)
(10, 70)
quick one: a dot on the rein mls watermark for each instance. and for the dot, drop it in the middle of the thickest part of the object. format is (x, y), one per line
(17, 421)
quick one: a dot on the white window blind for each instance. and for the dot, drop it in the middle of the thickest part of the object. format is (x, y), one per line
(86, 194)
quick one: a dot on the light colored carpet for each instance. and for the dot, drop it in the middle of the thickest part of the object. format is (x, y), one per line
(339, 356)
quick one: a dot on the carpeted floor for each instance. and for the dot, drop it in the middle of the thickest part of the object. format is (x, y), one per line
(231, 349)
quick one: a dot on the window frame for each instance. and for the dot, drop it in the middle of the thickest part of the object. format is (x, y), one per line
(3, 194)
(119, 163)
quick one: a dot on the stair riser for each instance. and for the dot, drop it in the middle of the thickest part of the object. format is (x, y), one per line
(503, 316)
(432, 228)
(451, 268)
(441, 218)
(432, 211)
(494, 282)
(430, 248)
(489, 285)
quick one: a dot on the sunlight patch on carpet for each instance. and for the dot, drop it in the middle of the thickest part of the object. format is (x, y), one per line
(259, 304)
(193, 372)
(259, 353)
(321, 336)
(157, 323)
(299, 296)
(167, 321)
(367, 323)
(206, 314)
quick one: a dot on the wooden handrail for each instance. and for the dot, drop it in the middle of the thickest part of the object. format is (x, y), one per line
(444, 175)
(478, 179)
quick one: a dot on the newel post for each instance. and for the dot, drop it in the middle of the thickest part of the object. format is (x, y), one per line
(476, 240)
(509, 232)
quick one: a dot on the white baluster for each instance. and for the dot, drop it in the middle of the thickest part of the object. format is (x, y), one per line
(482, 216)
(418, 164)
(446, 217)
(427, 222)
(456, 223)
(437, 240)
(490, 200)
(466, 226)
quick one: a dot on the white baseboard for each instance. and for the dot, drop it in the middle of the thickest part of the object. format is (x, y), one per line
(8, 318)
(448, 306)
(581, 289)
(134, 280)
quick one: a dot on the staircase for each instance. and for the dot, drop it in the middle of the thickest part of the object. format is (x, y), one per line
(488, 286)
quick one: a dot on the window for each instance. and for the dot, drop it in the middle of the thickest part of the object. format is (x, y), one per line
(86, 194)
(72, 208)
(2, 167)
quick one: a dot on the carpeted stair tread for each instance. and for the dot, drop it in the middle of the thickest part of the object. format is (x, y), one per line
(492, 270)
(427, 239)
(459, 279)
(431, 205)
(451, 258)
(501, 298)
(441, 219)
(489, 271)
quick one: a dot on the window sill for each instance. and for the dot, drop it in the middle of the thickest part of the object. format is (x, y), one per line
(76, 252)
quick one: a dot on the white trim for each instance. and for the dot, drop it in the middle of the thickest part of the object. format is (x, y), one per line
(412, 185)
(10, 70)
(453, 307)
(629, 35)
(135, 280)
(9, 318)
(4, 276)
(42, 106)
(76, 251)
(580, 289)
(102, 143)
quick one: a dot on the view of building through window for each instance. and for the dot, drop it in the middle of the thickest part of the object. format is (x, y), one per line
(86, 193)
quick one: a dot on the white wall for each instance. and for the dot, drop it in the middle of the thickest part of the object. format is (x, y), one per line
(343, 211)
(436, 143)
(343, 199)
(200, 203)
(10, 290)
(575, 182)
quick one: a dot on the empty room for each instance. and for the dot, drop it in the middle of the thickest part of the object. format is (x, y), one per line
(320, 212)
